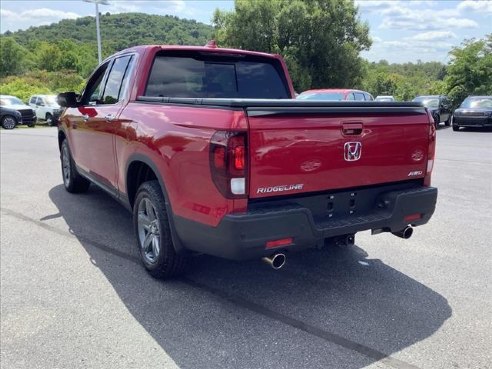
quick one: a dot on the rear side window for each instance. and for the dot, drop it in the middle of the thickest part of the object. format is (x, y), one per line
(201, 76)
(359, 96)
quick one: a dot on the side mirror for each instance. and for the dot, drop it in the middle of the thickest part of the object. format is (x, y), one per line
(67, 100)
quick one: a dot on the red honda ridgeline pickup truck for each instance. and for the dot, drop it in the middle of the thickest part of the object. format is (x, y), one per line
(211, 152)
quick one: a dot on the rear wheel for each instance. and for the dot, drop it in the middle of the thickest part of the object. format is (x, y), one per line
(448, 121)
(72, 180)
(153, 233)
(9, 122)
(49, 119)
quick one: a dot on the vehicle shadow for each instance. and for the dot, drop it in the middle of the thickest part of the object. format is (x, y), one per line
(328, 309)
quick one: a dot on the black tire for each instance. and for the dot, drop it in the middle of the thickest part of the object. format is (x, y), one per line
(72, 180)
(448, 121)
(49, 119)
(437, 120)
(32, 124)
(151, 226)
(456, 128)
(9, 122)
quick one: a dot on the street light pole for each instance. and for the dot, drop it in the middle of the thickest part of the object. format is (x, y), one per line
(98, 29)
(98, 33)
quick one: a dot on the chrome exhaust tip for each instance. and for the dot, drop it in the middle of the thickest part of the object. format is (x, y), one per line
(405, 233)
(276, 261)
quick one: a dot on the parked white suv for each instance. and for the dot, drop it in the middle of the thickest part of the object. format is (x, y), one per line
(46, 108)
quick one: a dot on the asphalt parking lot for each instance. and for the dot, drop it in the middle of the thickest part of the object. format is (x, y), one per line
(73, 293)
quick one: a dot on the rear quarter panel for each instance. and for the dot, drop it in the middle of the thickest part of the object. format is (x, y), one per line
(176, 139)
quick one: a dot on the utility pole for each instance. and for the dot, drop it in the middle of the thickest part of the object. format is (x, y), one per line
(98, 29)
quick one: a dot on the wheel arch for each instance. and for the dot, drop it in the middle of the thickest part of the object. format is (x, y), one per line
(139, 169)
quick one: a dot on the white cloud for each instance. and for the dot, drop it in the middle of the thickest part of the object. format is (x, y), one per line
(42, 13)
(374, 5)
(401, 17)
(434, 36)
(36, 17)
(116, 7)
(476, 6)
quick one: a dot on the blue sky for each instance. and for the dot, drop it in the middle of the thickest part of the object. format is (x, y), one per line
(401, 30)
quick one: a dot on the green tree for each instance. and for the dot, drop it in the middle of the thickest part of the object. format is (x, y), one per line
(12, 56)
(48, 56)
(319, 39)
(470, 70)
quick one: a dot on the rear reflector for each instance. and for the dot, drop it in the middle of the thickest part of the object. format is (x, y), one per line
(279, 243)
(412, 217)
(238, 186)
(430, 165)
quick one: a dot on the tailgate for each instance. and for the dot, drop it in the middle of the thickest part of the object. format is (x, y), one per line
(317, 149)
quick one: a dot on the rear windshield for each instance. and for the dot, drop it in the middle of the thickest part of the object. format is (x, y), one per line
(199, 75)
(321, 96)
(477, 103)
(428, 102)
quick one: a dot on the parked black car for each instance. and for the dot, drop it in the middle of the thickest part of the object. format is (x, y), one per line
(9, 118)
(474, 111)
(439, 106)
(28, 115)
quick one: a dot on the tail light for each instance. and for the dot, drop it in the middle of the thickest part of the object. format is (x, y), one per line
(228, 163)
(431, 151)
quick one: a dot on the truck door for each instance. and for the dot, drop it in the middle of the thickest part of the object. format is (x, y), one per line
(93, 123)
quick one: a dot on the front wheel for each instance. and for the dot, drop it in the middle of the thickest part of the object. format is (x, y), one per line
(153, 233)
(9, 122)
(72, 180)
(456, 128)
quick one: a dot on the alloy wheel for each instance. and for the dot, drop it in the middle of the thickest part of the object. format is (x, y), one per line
(148, 230)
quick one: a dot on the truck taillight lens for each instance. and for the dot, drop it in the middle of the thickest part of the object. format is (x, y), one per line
(228, 163)
(431, 151)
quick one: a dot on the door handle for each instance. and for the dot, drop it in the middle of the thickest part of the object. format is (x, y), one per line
(109, 117)
(352, 128)
(85, 117)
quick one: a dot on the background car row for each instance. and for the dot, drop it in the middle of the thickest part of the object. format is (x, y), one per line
(14, 112)
(474, 111)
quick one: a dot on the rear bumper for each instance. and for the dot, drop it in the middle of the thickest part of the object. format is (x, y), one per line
(244, 236)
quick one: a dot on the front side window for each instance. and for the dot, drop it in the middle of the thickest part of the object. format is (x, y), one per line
(92, 92)
(113, 90)
(351, 97)
(202, 75)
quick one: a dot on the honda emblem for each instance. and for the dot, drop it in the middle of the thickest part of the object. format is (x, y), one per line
(352, 151)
